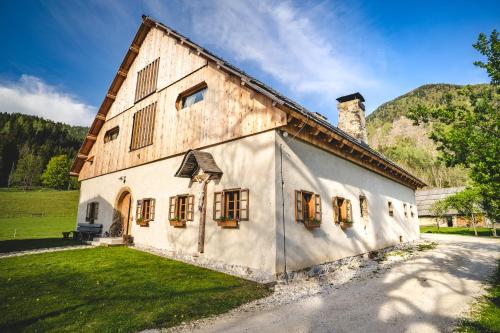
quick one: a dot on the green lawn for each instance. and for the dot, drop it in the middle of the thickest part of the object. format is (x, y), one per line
(112, 289)
(456, 231)
(31, 220)
(485, 314)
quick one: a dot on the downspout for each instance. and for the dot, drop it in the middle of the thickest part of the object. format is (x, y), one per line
(283, 210)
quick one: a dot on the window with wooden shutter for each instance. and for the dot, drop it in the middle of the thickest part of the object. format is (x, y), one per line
(171, 208)
(299, 215)
(143, 127)
(147, 80)
(342, 210)
(307, 206)
(390, 208)
(232, 205)
(145, 211)
(336, 209)
(181, 208)
(348, 210)
(363, 207)
(138, 211)
(92, 212)
(217, 205)
(151, 213)
(404, 210)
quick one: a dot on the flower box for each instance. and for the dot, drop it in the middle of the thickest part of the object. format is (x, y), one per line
(178, 223)
(311, 224)
(228, 223)
(346, 224)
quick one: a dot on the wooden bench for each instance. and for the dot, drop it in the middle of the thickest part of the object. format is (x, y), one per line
(87, 231)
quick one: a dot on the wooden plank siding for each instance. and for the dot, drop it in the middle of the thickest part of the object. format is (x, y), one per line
(229, 111)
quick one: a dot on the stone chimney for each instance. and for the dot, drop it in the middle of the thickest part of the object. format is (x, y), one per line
(352, 116)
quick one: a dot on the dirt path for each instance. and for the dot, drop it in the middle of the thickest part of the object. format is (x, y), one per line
(426, 293)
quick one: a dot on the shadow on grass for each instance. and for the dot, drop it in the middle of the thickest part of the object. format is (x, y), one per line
(15, 245)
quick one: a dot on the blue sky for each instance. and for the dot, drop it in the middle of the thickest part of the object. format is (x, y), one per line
(59, 57)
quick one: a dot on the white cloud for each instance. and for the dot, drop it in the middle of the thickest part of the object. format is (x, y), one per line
(291, 43)
(31, 95)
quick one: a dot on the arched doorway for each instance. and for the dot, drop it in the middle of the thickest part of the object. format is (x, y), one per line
(123, 210)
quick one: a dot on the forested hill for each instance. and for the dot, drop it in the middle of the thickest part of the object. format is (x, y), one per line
(41, 137)
(395, 136)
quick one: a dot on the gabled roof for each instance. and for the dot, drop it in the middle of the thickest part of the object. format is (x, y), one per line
(196, 160)
(388, 167)
(427, 198)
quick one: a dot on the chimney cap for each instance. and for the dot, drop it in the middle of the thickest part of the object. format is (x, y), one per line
(351, 97)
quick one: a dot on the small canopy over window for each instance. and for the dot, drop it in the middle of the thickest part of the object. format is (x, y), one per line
(195, 161)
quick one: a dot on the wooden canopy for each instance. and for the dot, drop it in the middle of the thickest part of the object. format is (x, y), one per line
(195, 161)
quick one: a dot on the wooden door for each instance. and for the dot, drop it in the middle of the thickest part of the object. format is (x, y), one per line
(125, 213)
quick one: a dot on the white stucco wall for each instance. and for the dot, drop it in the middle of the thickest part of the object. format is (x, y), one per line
(246, 163)
(306, 167)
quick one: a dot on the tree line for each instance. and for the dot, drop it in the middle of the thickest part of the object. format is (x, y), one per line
(37, 152)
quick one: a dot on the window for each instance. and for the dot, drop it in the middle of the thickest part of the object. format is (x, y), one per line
(307, 206)
(191, 96)
(412, 214)
(92, 211)
(391, 208)
(147, 80)
(342, 210)
(111, 134)
(181, 207)
(145, 211)
(404, 210)
(363, 207)
(143, 127)
(231, 205)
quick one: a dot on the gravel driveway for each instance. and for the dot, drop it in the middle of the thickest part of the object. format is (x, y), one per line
(425, 293)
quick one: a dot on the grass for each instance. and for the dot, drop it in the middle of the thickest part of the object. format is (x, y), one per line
(112, 289)
(47, 203)
(485, 316)
(36, 219)
(427, 246)
(484, 232)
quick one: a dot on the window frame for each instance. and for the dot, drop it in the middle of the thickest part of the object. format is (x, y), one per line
(92, 212)
(147, 80)
(175, 206)
(145, 213)
(314, 210)
(220, 205)
(108, 136)
(363, 207)
(189, 92)
(338, 215)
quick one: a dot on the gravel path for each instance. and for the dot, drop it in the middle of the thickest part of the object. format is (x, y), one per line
(51, 249)
(407, 292)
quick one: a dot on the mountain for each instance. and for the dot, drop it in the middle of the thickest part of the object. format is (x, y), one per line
(43, 137)
(395, 136)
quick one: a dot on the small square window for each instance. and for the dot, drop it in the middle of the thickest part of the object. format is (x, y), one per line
(391, 208)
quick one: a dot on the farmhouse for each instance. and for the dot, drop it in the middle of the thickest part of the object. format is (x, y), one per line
(189, 154)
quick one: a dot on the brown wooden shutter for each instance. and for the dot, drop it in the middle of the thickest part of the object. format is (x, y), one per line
(138, 211)
(171, 208)
(244, 200)
(317, 207)
(343, 211)
(299, 214)
(335, 206)
(217, 205)
(190, 208)
(96, 210)
(87, 214)
(348, 210)
(151, 210)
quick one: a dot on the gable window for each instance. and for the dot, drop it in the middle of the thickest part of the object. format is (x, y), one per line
(391, 208)
(145, 211)
(307, 207)
(363, 207)
(181, 208)
(342, 210)
(192, 96)
(111, 134)
(143, 127)
(231, 205)
(92, 212)
(147, 79)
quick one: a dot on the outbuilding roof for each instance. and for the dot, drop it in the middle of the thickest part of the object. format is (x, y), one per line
(427, 198)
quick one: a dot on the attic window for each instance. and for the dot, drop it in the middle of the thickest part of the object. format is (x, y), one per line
(147, 79)
(391, 208)
(143, 127)
(111, 134)
(191, 96)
